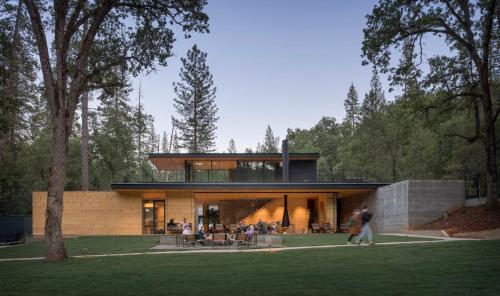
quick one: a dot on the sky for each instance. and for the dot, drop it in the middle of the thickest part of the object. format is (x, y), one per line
(280, 63)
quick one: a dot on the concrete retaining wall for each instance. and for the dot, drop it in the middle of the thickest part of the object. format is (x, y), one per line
(408, 204)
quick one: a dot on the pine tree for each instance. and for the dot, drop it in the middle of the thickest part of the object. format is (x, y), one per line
(271, 143)
(176, 147)
(164, 143)
(375, 99)
(352, 108)
(232, 147)
(259, 148)
(248, 150)
(113, 137)
(195, 103)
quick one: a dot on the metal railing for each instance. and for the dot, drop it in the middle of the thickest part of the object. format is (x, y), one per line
(152, 175)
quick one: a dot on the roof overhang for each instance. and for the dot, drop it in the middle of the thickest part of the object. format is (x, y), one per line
(175, 161)
(343, 188)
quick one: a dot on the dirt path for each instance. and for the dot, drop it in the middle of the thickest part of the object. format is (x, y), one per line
(485, 234)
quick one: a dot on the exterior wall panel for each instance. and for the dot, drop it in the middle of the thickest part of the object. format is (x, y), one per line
(92, 213)
(303, 171)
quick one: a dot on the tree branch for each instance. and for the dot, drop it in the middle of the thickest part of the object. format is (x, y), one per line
(43, 53)
(488, 28)
(61, 10)
(70, 27)
(78, 78)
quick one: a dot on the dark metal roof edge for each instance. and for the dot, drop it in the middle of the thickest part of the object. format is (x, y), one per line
(230, 155)
(247, 185)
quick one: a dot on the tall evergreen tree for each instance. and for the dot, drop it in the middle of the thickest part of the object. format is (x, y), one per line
(176, 147)
(164, 143)
(352, 108)
(195, 103)
(232, 147)
(375, 99)
(271, 143)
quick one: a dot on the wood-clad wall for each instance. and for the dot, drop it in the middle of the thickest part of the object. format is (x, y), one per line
(92, 213)
(109, 213)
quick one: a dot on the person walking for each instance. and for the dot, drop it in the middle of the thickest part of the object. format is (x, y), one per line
(354, 225)
(365, 226)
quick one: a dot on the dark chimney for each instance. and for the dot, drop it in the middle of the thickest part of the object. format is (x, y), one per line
(285, 161)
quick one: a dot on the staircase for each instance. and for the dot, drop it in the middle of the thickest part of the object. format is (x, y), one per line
(268, 212)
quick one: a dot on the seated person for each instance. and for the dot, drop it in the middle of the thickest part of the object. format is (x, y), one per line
(241, 227)
(249, 233)
(260, 226)
(186, 228)
(270, 228)
(201, 236)
(231, 237)
(171, 223)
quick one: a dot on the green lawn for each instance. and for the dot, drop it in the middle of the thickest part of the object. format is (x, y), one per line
(86, 245)
(321, 239)
(127, 244)
(448, 268)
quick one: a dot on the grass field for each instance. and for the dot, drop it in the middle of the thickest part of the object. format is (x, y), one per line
(445, 268)
(125, 244)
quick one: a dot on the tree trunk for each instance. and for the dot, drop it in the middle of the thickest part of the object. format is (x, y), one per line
(54, 245)
(490, 142)
(85, 142)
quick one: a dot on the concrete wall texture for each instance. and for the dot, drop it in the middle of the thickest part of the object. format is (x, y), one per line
(408, 204)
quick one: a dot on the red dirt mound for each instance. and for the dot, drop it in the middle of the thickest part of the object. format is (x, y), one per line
(467, 219)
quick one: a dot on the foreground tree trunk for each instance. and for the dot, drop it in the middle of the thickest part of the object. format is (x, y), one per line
(54, 245)
(66, 76)
(490, 145)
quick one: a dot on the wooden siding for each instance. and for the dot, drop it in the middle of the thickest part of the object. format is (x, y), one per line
(109, 213)
(92, 213)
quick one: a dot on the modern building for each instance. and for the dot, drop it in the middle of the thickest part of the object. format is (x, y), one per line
(209, 188)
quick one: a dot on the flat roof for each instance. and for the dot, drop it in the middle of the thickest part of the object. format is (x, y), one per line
(246, 186)
(235, 156)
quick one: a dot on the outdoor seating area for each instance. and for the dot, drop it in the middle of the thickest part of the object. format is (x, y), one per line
(221, 239)
(322, 228)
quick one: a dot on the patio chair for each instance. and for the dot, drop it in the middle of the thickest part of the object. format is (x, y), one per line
(327, 227)
(190, 240)
(219, 227)
(241, 239)
(233, 228)
(315, 228)
(219, 238)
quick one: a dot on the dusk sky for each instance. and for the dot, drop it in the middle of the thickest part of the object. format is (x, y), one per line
(282, 63)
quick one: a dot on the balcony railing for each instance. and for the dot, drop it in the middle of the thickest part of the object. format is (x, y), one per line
(152, 175)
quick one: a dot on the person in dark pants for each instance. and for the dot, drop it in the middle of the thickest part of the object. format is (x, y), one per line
(365, 226)
(354, 225)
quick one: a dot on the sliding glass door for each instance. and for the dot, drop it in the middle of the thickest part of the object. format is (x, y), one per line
(153, 217)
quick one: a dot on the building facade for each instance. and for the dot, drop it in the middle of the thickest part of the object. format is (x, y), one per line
(210, 188)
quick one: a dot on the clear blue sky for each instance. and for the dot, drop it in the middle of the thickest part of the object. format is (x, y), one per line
(282, 63)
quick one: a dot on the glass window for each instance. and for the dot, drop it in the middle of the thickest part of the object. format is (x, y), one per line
(272, 171)
(153, 217)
